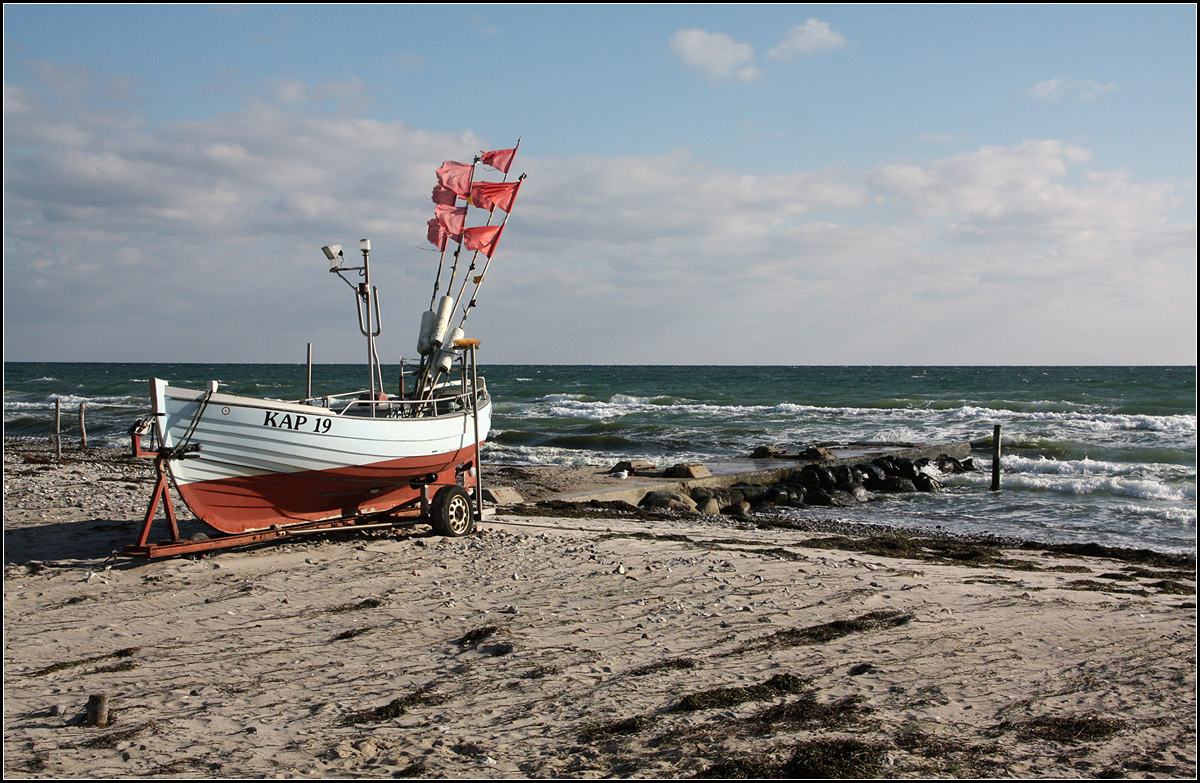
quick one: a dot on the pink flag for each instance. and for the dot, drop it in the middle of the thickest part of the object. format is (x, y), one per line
(443, 195)
(490, 195)
(451, 218)
(437, 234)
(482, 238)
(456, 176)
(498, 159)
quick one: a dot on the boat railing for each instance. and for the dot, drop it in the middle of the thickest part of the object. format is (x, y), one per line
(359, 403)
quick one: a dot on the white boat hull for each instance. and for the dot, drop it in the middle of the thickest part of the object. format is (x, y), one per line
(263, 463)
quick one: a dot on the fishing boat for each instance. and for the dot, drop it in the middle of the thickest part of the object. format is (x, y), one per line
(254, 468)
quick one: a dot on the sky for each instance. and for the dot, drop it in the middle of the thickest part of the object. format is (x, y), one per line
(705, 184)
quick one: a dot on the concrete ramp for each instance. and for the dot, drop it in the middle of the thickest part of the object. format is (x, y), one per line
(727, 473)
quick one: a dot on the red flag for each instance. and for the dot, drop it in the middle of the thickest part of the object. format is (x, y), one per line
(443, 195)
(437, 234)
(482, 238)
(451, 218)
(456, 176)
(498, 159)
(490, 195)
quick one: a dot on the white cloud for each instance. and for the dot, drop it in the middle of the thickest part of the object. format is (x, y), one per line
(199, 241)
(811, 38)
(716, 55)
(979, 182)
(1054, 90)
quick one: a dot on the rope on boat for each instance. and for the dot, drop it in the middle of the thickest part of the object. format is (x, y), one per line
(178, 451)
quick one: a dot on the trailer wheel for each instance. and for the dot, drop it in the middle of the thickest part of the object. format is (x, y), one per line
(452, 512)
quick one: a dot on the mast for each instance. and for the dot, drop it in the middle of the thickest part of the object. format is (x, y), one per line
(367, 302)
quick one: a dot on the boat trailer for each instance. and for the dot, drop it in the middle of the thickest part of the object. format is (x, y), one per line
(175, 545)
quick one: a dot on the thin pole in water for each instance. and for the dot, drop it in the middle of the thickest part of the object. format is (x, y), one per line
(996, 458)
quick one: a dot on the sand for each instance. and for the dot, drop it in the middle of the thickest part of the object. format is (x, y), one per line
(578, 646)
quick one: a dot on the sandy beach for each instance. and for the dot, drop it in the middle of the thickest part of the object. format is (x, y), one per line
(583, 643)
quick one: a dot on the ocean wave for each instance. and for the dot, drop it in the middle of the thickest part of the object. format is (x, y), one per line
(1179, 423)
(1079, 484)
(562, 397)
(541, 455)
(1180, 515)
(1066, 467)
(70, 400)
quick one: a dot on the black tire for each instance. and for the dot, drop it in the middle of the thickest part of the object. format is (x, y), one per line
(452, 512)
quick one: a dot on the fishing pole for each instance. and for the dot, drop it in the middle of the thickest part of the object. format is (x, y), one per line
(479, 279)
(436, 321)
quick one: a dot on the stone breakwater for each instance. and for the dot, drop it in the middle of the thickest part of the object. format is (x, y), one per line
(812, 485)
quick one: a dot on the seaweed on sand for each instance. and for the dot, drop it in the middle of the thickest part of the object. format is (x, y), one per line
(822, 758)
(396, 707)
(826, 632)
(1066, 728)
(728, 697)
(671, 664)
(777, 685)
(476, 636)
(602, 731)
(124, 653)
(366, 603)
(810, 711)
(113, 738)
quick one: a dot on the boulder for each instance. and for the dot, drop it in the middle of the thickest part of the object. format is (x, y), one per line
(855, 491)
(842, 498)
(897, 484)
(632, 466)
(785, 495)
(739, 509)
(687, 470)
(871, 473)
(897, 466)
(817, 476)
(751, 493)
(950, 465)
(723, 497)
(815, 496)
(927, 483)
(817, 453)
(669, 499)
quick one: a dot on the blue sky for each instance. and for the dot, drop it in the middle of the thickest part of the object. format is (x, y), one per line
(786, 184)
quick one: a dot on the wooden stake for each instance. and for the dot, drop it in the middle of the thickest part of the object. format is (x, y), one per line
(82, 427)
(58, 427)
(97, 709)
(996, 458)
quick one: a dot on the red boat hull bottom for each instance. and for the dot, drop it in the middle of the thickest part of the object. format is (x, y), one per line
(240, 505)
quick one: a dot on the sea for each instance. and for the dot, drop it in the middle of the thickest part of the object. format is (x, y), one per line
(1090, 454)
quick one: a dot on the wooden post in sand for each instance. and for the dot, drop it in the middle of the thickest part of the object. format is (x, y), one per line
(996, 458)
(82, 427)
(58, 427)
(97, 709)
